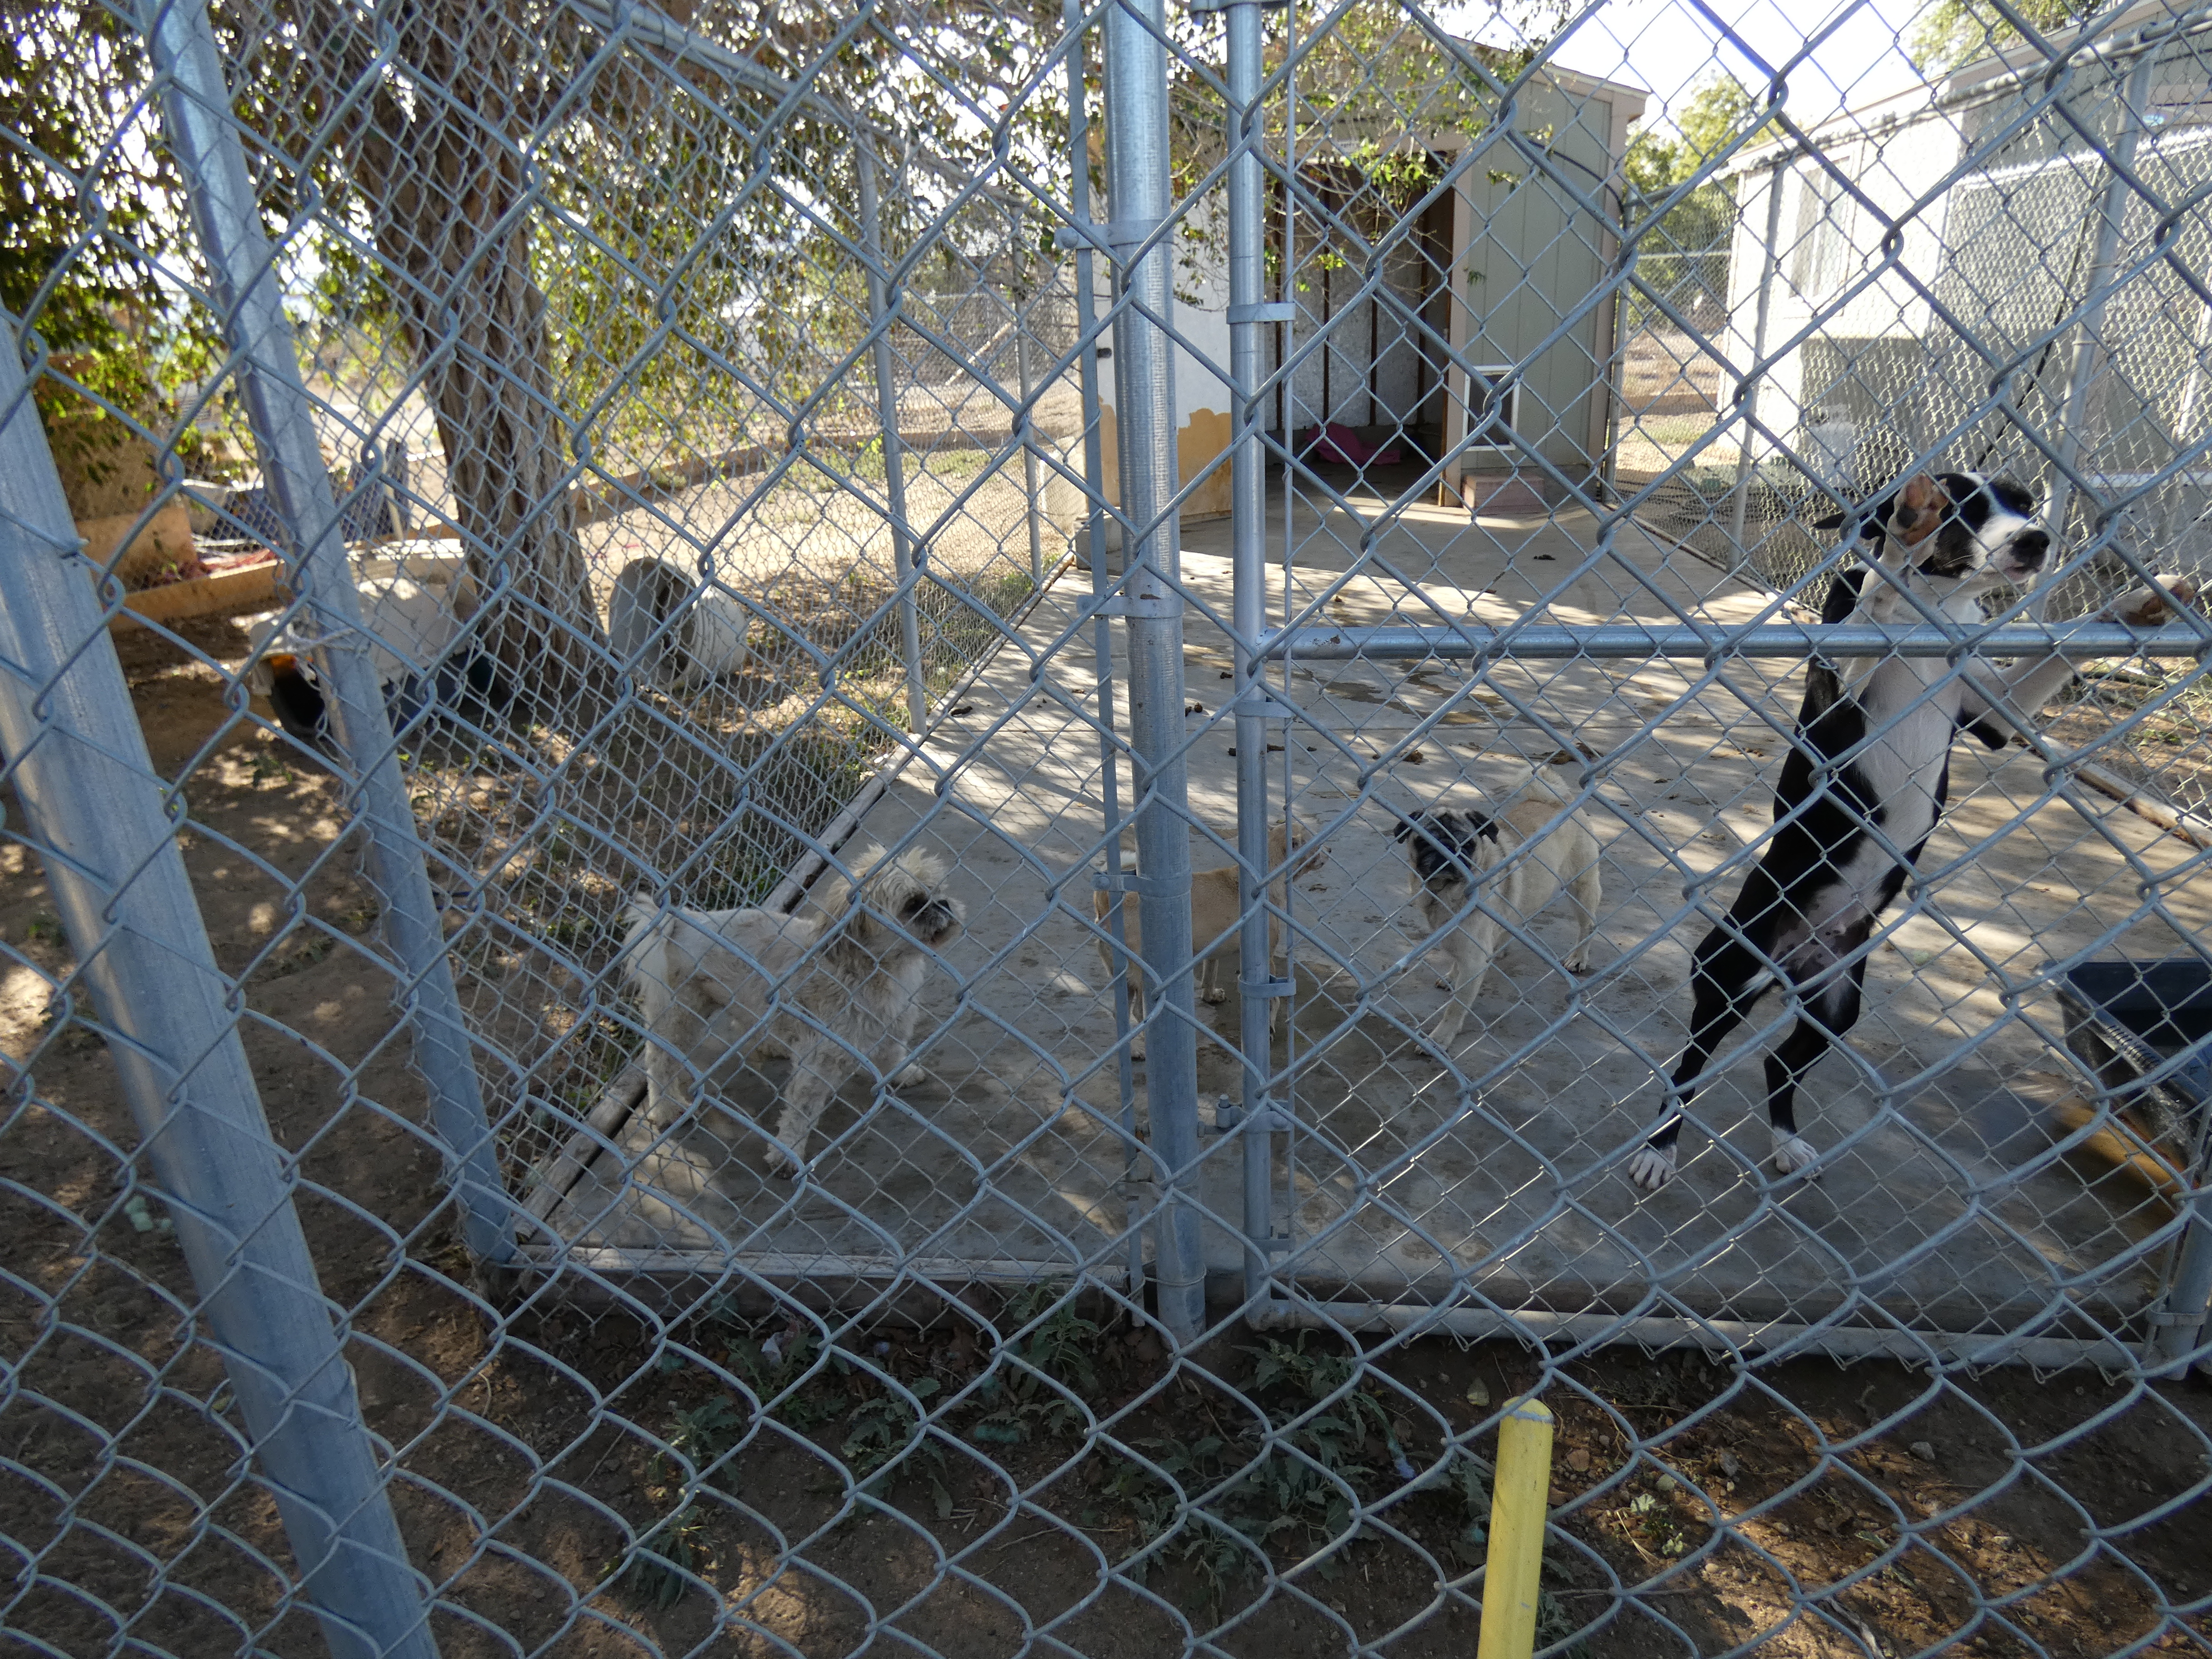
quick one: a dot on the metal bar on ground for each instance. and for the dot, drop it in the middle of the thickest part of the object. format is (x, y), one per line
(887, 415)
(1627, 642)
(196, 112)
(98, 816)
(1137, 135)
(1722, 1336)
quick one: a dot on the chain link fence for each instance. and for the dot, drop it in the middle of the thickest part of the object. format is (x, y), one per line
(886, 831)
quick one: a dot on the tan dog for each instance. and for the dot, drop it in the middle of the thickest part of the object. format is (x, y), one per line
(1215, 914)
(1456, 854)
(837, 990)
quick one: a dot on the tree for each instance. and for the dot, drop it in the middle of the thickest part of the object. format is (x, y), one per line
(1720, 111)
(582, 250)
(1955, 32)
(117, 337)
(435, 101)
(1691, 242)
(1373, 90)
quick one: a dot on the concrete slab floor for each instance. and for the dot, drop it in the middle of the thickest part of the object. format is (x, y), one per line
(1940, 1203)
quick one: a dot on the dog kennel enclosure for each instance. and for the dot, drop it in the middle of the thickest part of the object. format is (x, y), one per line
(919, 429)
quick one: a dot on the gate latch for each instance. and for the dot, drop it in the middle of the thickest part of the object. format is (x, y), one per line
(1268, 1119)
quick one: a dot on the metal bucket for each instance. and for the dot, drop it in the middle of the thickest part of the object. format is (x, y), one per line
(2145, 1028)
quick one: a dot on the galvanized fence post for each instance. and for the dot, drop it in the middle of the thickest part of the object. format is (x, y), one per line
(2096, 294)
(1102, 638)
(196, 106)
(1032, 484)
(887, 415)
(1137, 130)
(1770, 264)
(98, 817)
(1248, 313)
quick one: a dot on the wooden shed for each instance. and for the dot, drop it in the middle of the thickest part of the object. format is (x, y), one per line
(1500, 275)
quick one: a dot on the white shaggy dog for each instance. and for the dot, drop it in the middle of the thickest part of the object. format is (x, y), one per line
(1521, 868)
(836, 989)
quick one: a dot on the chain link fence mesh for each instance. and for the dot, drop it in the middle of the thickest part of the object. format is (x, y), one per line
(825, 545)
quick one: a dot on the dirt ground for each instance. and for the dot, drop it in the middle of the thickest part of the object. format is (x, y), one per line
(1670, 387)
(1784, 1508)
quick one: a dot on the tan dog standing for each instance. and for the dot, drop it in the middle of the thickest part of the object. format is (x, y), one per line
(1215, 914)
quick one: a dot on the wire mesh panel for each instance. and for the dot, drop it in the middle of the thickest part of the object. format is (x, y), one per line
(833, 831)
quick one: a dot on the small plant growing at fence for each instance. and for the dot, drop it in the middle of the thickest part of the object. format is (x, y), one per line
(667, 1558)
(1196, 1541)
(698, 1438)
(883, 1428)
(1291, 1486)
(776, 1370)
(1468, 1477)
(1650, 1519)
(1555, 1623)
(1311, 1457)
(1029, 1391)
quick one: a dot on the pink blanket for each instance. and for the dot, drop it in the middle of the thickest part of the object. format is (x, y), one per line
(1341, 443)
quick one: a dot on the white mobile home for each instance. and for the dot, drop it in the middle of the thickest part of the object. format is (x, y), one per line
(1995, 269)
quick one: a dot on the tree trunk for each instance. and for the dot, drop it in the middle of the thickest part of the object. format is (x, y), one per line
(448, 195)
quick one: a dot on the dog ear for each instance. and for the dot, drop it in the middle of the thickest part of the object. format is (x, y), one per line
(925, 866)
(1844, 592)
(1870, 519)
(1920, 508)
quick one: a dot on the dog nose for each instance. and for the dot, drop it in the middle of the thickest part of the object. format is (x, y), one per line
(2030, 547)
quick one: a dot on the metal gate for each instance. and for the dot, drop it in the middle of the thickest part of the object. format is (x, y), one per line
(892, 627)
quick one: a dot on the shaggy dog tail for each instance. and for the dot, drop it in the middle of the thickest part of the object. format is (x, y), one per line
(1541, 782)
(640, 916)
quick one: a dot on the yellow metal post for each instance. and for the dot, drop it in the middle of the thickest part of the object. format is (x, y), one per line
(1519, 1500)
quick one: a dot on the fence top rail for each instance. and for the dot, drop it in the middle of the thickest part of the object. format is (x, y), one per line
(1630, 641)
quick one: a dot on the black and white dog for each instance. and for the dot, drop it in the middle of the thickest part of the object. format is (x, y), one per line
(1864, 784)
